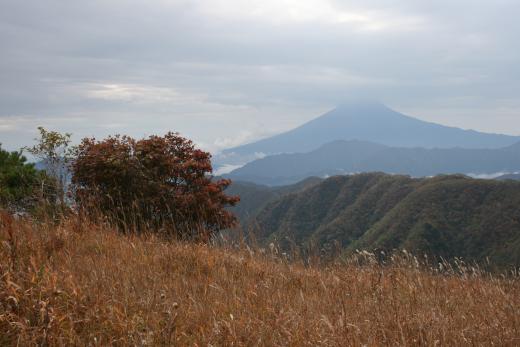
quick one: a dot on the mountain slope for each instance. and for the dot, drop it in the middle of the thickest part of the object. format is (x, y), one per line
(372, 122)
(341, 157)
(515, 177)
(445, 216)
(253, 197)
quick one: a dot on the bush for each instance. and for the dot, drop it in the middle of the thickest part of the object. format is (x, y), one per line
(162, 183)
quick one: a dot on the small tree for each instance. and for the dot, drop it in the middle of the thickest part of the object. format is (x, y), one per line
(55, 153)
(162, 183)
(22, 187)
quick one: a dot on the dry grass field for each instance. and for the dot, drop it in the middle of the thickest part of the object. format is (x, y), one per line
(86, 285)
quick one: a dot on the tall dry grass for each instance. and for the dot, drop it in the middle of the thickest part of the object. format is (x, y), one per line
(86, 285)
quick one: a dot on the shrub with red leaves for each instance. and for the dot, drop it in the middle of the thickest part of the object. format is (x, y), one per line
(159, 183)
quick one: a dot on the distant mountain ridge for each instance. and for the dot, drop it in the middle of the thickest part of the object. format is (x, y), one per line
(444, 216)
(340, 157)
(515, 177)
(366, 121)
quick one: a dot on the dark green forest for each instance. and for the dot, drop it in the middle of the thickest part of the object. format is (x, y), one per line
(445, 216)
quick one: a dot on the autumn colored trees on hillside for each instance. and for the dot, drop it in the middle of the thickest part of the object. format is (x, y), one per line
(159, 183)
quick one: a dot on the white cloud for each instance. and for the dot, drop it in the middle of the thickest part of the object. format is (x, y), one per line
(134, 93)
(225, 169)
(490, 176)
(7, 126)
(227, 142)
(290, 12)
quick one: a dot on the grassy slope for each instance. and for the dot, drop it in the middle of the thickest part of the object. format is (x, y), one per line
(82, 284)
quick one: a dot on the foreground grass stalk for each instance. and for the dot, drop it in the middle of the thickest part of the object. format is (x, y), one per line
(84, 284)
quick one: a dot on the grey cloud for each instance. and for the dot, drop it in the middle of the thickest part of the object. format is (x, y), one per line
(217, 70)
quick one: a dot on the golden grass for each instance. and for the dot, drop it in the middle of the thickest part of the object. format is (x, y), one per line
(87, 285)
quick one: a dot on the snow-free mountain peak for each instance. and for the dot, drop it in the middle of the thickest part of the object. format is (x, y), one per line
(366, 121)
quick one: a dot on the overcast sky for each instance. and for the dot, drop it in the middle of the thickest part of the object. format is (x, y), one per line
(224, 72)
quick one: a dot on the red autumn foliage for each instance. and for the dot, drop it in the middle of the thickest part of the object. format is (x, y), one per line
(163, 183)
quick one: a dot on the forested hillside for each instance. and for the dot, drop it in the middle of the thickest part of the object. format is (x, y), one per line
(445, 216)
(253, 197)
(515, 177)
